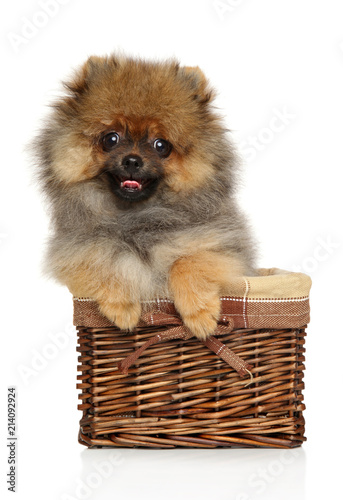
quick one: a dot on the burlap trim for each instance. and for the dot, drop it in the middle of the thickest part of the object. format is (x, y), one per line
(274, 299)
(246, 313)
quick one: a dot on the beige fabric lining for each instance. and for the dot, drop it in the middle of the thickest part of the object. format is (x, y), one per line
(274, 299)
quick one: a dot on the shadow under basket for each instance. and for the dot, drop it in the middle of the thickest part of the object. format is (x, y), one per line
(158, 387)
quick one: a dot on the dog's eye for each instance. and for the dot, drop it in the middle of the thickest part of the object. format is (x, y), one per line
(109, 141)
(163, 147)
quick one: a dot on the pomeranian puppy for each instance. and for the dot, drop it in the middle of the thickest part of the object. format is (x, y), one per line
(140, 176)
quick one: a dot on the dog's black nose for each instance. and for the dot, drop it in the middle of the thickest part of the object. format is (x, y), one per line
(132, 163)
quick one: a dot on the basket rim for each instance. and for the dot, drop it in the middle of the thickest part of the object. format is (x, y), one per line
(273, 299)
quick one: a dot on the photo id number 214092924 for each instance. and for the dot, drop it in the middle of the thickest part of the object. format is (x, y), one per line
(11, 439)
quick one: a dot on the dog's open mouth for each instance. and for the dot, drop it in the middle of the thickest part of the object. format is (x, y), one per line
(132, 188)
(131, 185)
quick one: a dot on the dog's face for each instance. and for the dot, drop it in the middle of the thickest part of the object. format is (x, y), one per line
(133, 154)
(136, 127)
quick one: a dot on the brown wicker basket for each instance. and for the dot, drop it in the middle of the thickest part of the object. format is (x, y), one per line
(159, 387)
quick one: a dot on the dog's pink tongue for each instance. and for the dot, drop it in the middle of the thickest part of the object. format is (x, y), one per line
(130, 184)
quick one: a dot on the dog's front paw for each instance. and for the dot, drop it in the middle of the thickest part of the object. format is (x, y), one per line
(202, 321)
(125, 315)
(194, 285)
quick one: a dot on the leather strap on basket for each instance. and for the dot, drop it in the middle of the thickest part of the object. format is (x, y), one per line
(180, 331)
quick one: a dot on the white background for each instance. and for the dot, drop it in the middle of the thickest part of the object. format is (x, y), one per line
(265, 58)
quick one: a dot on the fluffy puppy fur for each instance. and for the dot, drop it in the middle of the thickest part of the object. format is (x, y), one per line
(140, 176)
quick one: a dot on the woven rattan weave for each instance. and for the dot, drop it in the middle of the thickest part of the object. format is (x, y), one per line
(178, 392)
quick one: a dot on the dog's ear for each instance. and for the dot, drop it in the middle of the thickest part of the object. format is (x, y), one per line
(89, 70)
(198, 82)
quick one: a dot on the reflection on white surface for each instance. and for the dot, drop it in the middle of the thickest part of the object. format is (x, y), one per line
(228, 474)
